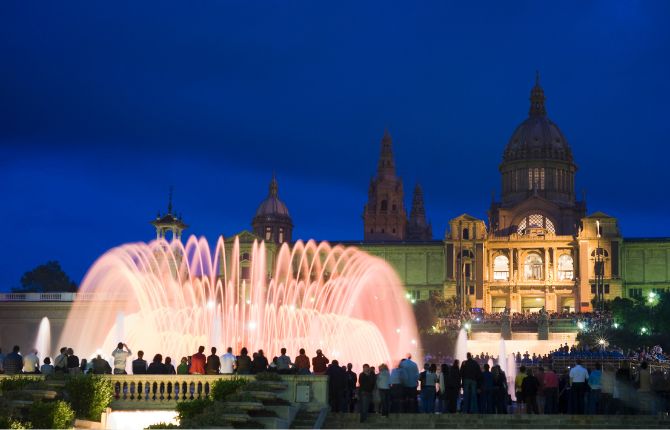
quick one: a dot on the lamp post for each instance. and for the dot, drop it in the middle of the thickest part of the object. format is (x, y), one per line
(599, 272)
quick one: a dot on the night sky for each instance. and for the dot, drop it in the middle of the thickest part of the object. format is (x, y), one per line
(104, 105)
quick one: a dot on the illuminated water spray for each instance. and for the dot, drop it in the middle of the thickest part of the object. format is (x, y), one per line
(170, 298)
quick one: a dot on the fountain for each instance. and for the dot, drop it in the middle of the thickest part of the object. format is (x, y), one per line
(461, 345)
(43, 340)
(170, 298)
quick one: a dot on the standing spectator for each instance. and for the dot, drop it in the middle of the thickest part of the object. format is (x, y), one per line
(60, 362)
(453, 387)
(319, 363)
(84, 367)
(169, 367)
(366, 383)
(213, 363)
(157, 367)
(182, 369)
(398, 377)
(100, 366)
(550, 383)
(384, 387)
(47, 368)
(595, 389)
(31, 363)
(529, 389)
(198, 361)
(337, 384)
(72, 362)
(120, 358)
(499, 390)
(487, 391)
(244, 362)
(518, 381)
(411, 382)
(441, 393)
(228, 362)
(283, 362)
(14, 362)
(302, 362)
(578, 378)
(539, 374)
(428, 390)
(352, 380)
(260, 363)
(139, 365)
(471, 374)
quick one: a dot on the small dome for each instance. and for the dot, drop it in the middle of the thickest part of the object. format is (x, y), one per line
(537, 138)
(272, 205)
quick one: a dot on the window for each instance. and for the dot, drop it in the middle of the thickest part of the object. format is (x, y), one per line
(394, 230)
(472, 290)
(635, 292)
(467, 271)
(466, 234)
(393, 207)
(536, 178)
(533, 267)
(245, 257)
(565, 268)
(281, 234)
(501, 268)
(268, 233)
(244, 273)
(535, 221)
(607, 288)
(384, 205)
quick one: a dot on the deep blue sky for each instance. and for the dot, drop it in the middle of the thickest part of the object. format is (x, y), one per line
(104, 105)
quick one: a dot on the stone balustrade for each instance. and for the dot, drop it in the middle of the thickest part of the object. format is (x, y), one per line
(155, 392)
(164, 391)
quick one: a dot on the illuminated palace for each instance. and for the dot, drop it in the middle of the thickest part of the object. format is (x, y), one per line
(536, 248)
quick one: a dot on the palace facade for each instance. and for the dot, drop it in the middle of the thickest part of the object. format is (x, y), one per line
(536, 247)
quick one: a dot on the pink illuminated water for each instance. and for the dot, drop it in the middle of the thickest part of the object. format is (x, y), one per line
(170, 298)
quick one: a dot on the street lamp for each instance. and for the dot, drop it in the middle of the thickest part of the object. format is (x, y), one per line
(599, 271)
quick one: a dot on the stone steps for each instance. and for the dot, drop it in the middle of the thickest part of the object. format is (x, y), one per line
(497, 421)
(305, 420)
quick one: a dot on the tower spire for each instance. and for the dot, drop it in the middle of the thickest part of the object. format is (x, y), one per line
(537, 98)
(274, 186)
(386, 165)
(170, 200)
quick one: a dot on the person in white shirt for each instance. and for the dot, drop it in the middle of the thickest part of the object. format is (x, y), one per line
(120, 358)
(47, 368)
(228, 362)
(31, 362)
(578, 379)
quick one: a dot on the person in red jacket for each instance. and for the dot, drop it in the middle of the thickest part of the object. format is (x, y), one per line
(198, 362)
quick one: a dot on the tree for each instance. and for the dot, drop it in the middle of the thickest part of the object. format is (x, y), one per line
(46, 278)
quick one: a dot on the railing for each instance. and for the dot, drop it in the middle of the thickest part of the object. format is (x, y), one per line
(149, 392)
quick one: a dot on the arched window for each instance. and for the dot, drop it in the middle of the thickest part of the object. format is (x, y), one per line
(566, 269)
(245, 257)
(501, 268)
(466, 234)
(533, 267)
(534, 222)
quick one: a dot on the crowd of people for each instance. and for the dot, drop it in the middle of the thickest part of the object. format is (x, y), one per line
(476, 385)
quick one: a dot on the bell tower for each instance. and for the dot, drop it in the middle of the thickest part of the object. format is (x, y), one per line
(169, 223)
(384, 216)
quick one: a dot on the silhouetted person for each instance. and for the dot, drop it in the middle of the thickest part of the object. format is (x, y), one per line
(139, 364)
(120, 358)
(260, 362)
(60, 362)
(244, 362)
(352, 380)
(284, 362)
(72, 362)
(337, 384)
(302, 363)
(169, 367)
(157, 367)
(529, 389)
(47, 368)
(471, 375)
(366, 384)
(100, 366)
(213, 363)
(182, 369)
(453, 386)
(14, 362)
(319, 363)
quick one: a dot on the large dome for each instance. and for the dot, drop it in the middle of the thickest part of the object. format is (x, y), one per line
(272, 205)
(537, 138)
